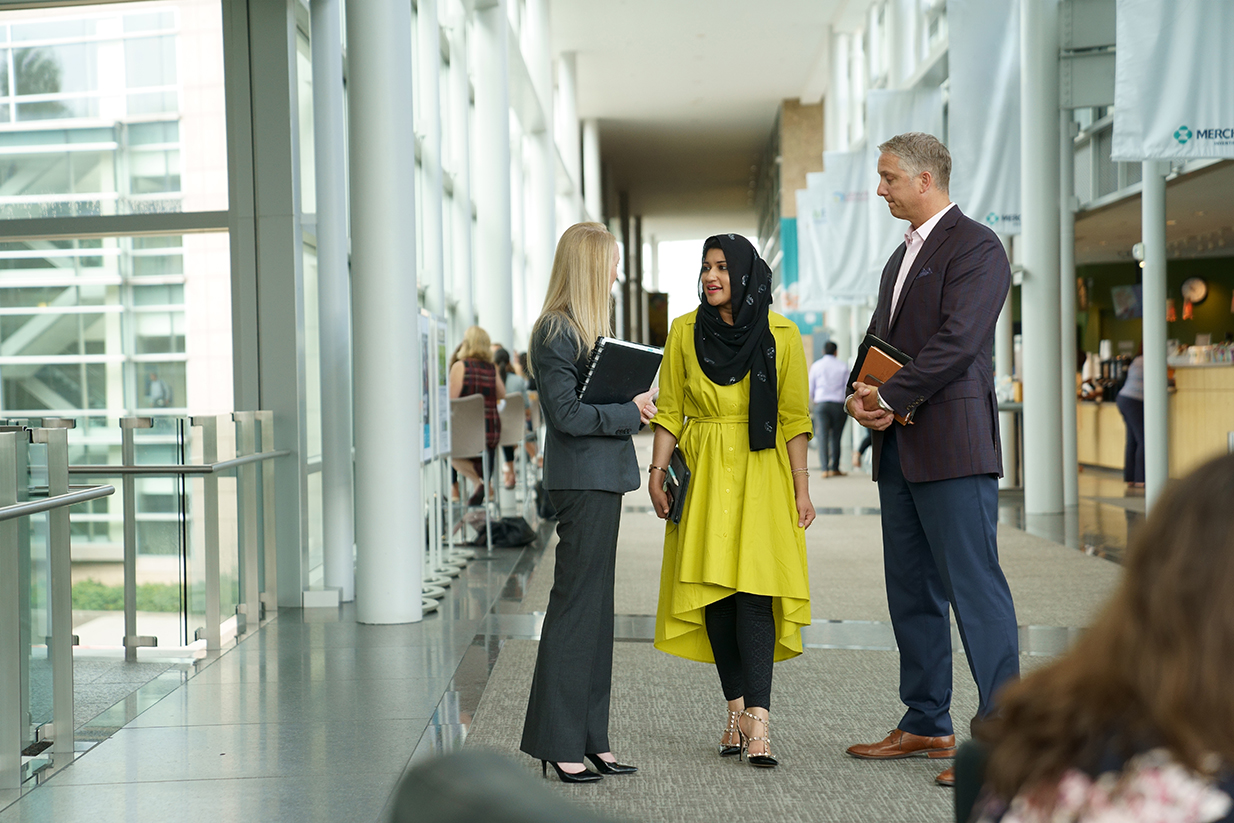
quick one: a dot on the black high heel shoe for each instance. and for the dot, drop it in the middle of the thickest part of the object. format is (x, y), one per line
(764, 761)
(604, 767)
(584, 776)
(729, 749)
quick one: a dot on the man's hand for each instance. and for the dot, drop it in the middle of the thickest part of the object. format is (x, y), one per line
(878, 419)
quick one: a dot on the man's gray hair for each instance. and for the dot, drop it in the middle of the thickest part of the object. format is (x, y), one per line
(919, 152)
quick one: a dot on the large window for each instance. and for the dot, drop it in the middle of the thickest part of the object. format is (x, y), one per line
(114, 111)
(97, 119)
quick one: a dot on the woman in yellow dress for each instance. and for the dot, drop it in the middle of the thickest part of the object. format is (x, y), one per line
(734, 589)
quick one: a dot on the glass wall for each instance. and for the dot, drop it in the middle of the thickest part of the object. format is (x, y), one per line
(114, 111)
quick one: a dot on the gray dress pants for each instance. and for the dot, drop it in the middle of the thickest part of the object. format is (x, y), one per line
(567, 713)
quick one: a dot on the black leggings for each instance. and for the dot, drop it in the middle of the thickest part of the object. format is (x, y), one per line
(742, 632)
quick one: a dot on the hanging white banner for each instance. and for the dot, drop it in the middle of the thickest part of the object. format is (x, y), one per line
(983, 110)
(1173, 95)
(889, 113)
(811, 215)
(847, 188)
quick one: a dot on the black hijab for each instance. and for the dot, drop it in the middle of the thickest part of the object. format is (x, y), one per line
(728, 353)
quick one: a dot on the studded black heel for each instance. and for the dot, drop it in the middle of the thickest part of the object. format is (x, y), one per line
(728, 749)
(764, 760)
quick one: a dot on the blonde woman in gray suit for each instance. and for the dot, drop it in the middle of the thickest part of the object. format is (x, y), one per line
(589, 463)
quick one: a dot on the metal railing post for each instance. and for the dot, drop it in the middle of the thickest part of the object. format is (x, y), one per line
(55, 434)
(210, 511)
(128, 452)
(246, 490)
(270, 593)
(11, 716)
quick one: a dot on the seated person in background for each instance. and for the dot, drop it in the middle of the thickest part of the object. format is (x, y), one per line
(1136, 722)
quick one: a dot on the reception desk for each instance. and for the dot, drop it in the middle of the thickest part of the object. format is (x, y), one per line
(1201, 413)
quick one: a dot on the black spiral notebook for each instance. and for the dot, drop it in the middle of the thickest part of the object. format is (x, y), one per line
(618, 371)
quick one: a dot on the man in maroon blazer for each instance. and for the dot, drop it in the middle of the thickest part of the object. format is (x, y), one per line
(940, 295)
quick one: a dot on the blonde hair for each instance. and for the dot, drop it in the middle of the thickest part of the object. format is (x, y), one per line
(578, 289)
(476, 345)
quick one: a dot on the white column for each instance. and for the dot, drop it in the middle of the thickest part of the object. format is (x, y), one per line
(1043, 482)
(334, 300)
(1156, 406)
(1004, 366)
(899, 59)
(654, 242)
(541, 198)
(840, 328)
(566, 129)
(1067, 305)
(428, 30)
(389, 532)
(593, 188)
(541, 230)
(835, 104)
(520, 218)
(494, 270)
(463, 283)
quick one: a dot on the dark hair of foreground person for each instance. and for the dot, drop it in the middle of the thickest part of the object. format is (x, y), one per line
(1155, 668)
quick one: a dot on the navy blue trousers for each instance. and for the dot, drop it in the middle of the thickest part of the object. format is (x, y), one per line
(940, 549)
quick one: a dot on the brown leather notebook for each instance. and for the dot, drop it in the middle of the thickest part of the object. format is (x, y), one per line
(879, 360)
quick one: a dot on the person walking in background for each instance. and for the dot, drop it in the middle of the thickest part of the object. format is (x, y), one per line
(474, 373)
(1130, 403)
(734, 588)
(940, 295)
(1135, 722)
(589, 462)
(828, 390)
(158, 393)
(515, 384)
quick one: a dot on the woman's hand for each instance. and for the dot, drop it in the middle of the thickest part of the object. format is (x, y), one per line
(646, 408)
(805, 510)
(659, 497)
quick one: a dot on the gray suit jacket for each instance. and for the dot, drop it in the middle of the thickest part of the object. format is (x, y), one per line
(586, 446)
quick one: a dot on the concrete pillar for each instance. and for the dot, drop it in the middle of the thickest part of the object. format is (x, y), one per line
(278, 265)
(462, 285)
(428, 32)
(835, 104)
(626, 306)
(654, 243)
(640, 294)
(593, 201)
(899, 58)
(1156, 406)
(540, 231)
(1067, 305)
(1004, 367)
(842, 335)
(541, 199)
(389, 532)
(494, 271)
(1043, 482)
(334, 300)
(566, 131)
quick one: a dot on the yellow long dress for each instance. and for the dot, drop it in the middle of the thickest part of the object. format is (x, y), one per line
(738, 531)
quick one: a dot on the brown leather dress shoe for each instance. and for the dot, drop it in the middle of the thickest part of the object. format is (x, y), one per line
(947, 778)
(900, 744)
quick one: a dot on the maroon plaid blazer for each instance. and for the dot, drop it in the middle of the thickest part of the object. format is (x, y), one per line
(948, 308)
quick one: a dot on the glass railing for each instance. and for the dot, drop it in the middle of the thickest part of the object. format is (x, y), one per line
(36, 637)
(175, 559)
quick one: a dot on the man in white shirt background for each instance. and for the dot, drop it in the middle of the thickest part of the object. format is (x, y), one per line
(828, 390)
